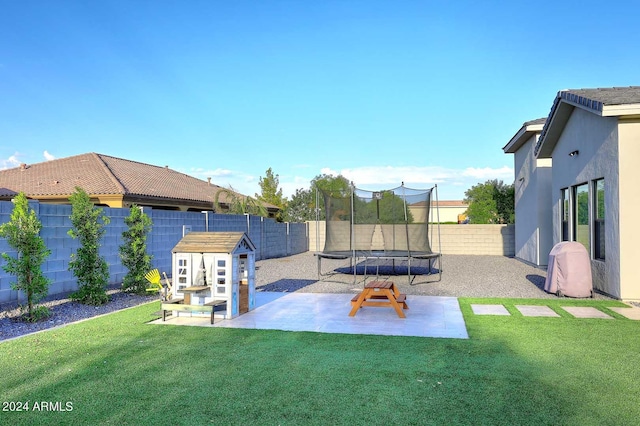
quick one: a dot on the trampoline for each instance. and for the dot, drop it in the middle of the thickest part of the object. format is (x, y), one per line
(388, 225)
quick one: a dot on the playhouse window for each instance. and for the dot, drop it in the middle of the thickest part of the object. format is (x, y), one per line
(598, 223)
(220, 288)
(182, 271)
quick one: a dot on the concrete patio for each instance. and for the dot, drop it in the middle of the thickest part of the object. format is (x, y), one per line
(290, 297)
(427, 316)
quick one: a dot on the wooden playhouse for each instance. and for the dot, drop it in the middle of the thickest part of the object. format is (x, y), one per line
(212, 270)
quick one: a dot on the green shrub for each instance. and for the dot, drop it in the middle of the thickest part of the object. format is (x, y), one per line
(38, 313)
(133, 251)
(23, 235)
(90, 269)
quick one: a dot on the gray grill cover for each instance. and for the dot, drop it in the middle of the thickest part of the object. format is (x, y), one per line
(569, 270)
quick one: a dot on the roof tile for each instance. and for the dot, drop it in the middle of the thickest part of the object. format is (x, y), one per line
(102, 174)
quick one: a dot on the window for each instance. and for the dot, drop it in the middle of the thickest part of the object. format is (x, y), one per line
(221, 273)
(183, 271)
(598, 223)
(581, 215)
(565, 214)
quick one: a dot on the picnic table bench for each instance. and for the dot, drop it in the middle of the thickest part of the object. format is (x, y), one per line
(372, 294)
(179, 305)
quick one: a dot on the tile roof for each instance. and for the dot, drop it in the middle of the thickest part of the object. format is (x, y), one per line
(597, 98)
(602, 101)
(102, 174)
(534, 122)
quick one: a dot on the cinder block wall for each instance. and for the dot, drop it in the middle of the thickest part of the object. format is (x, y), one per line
(271, 239)
(454, 239)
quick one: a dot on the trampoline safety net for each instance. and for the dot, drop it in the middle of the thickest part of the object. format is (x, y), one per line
(393, 223)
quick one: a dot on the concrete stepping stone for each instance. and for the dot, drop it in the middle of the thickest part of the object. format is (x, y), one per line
(489, 309)
(586, 312)
(631, 313)
(536, 311)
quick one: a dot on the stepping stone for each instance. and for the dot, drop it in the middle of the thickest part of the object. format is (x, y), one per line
(586, 312)
(536, 311)
(489, 310)
(632, 313)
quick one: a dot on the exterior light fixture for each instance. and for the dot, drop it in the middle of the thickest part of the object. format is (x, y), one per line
(574, 153)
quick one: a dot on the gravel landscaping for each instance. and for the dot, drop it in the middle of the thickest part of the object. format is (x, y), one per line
(64, 311)
(462, 276)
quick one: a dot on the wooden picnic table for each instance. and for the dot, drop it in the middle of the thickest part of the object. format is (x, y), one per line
(375, 291)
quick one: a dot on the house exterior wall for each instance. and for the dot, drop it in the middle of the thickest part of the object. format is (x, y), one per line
(449, 213)
(596, 139)
(629, 199)
(533, 238)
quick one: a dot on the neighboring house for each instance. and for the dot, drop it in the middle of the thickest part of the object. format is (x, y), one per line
(593, 138)
(450, 210)
(114, 182)
(532, 187)
(441, 211)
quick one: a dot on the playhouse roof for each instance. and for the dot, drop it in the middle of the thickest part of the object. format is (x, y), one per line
(213, 242)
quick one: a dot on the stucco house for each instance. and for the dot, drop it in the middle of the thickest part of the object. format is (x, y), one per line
(532, 187)
(447, 210)
(592, 137)
(114, 182)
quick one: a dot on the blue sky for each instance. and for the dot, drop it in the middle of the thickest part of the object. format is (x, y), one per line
(379, 91)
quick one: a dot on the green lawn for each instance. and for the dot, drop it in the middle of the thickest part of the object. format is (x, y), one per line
(512, 371)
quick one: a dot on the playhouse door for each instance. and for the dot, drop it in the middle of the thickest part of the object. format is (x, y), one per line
(243, 267)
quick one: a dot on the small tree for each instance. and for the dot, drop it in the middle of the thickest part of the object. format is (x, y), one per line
(490, 202)
(302, 206)
(304, 202)
(23, 235)
(271, 193)
(133, 251)
(90, 269)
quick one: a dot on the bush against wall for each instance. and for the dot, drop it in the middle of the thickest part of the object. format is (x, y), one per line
(23, 235)
(133, 251)
(491, 202)
(270, 238)
(90, 269)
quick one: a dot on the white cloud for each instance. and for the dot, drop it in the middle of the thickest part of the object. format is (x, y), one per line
(328, 171)
(207, 173)
(452, 183)
(489, 173)
(48, 156)
(11, 162)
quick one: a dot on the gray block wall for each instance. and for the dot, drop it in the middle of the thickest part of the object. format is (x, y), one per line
(272, 239)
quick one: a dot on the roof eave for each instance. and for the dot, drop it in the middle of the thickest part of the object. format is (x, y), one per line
(560, 115)
(553, 128)
(620, 110)
(523, 135)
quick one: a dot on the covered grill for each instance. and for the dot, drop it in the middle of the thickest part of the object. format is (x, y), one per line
(569, 271)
